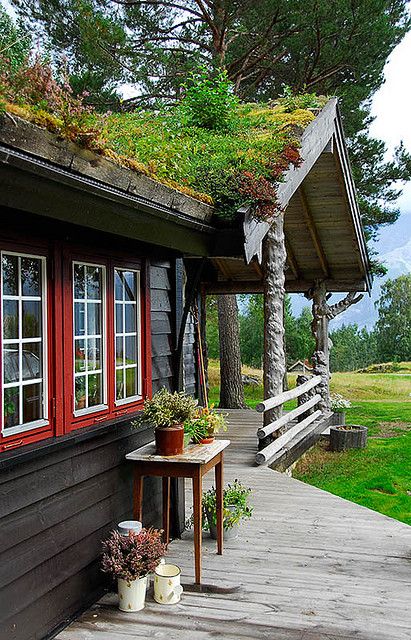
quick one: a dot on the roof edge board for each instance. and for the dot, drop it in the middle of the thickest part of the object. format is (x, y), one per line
(314, 140)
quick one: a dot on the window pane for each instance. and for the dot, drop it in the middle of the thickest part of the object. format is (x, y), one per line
(130, 350)
(119, 351)
(118, 284)
(31, 319)
(11, 407)
(120, 384)
(94, 390)
(93, 354)
(79, 318)
(31, 361)
(31, 402)
(131, 382)
(23, 319)
(11, 364)
(130, 285)
(10, 319)
(79, 289)
(30, 276)
(10, 275)
(79, 356)
(119, 318)
(93, 318)
(80, 393)
(93, 278)
(130, 313)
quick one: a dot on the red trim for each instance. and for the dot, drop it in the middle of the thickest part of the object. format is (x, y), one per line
(60, 338)
(45, 431)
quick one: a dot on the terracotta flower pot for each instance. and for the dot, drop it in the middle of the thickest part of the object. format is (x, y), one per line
(207, 440)
(169, 440)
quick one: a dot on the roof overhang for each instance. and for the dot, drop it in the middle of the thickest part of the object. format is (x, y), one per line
(323, 230)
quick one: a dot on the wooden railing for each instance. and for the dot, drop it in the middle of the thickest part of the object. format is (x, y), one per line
(271, 403)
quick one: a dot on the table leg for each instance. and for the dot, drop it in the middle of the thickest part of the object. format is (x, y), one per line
(219, 504)
(197, 500)
(166, 510)
(138, 496)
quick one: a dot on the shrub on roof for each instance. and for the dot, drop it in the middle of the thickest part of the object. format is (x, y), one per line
(209, 145)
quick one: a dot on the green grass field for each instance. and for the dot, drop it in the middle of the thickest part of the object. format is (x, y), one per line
(378, 477)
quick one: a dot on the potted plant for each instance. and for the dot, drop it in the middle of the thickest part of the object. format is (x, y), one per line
(235, 509)
(167, 412)
(130, 559)
(338, 405)
(203, 426)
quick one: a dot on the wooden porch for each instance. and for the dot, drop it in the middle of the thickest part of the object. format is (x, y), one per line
(307, 566)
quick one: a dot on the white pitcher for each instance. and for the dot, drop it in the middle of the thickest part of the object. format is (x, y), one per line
(167, 587)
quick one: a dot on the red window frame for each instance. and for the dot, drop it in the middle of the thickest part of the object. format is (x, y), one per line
(60, 354)
(34, 434)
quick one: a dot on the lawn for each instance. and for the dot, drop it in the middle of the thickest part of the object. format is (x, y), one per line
(378, 477)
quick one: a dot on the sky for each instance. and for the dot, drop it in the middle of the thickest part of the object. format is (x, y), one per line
(392, 123)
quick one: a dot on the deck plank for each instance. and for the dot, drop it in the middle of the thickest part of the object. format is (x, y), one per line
(307, 566)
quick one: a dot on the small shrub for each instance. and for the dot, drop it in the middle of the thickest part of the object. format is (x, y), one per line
(133, 556)
(338, 403)
(209, 103)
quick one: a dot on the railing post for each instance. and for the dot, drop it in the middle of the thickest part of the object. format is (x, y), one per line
(302, 399)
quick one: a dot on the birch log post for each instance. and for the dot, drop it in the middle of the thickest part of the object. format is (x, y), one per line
(274, 257)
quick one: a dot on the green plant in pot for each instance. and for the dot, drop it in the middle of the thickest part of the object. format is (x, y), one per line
(203, 426)
(235, 508)
(168, 412)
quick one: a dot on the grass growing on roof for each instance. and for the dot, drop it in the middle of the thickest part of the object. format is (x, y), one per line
(208, 145)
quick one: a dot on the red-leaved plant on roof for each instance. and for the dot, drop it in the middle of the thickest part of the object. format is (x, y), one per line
(133, 556)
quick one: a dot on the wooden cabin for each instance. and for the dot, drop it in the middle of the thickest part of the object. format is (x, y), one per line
(100, 268)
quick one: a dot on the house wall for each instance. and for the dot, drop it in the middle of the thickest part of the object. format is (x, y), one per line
(60, 497)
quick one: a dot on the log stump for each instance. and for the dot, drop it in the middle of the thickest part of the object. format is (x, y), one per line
(348, 437)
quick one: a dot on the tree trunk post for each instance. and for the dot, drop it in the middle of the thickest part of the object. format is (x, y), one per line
(321, 357)
(231, 382)
(274, 256)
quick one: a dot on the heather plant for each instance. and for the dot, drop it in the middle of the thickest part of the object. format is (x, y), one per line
(133, 556)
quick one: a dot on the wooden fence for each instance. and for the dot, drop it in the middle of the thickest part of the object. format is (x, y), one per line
(279, 443)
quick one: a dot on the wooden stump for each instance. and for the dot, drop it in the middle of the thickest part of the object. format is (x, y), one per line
(349, 437)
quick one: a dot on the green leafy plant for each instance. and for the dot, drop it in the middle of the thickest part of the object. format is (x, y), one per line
(166, 409)
(208, 102)
(235, 506)
(205, 424)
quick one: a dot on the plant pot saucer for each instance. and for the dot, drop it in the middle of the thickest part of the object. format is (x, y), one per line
(207, 440)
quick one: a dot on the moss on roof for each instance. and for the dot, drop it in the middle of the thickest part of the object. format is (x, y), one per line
(229, 168)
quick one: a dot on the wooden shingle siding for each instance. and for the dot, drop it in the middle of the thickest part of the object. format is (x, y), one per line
(161, 325)
(56, 509)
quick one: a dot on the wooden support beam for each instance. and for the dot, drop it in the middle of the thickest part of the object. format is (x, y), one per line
(291, 286)
(313, 232)
(287, 417)
(274, 257)
(257, 268)
(266, 454)
(291, 260)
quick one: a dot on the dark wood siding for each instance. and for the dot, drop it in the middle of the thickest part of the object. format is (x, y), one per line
(58, 503)
(189, 357)
(162, 322)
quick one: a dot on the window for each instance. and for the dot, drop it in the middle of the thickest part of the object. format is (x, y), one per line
(89, 337)
(127, 335)
(75, 340)
(24, 342)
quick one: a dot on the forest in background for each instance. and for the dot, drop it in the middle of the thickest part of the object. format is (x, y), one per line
(353, 348)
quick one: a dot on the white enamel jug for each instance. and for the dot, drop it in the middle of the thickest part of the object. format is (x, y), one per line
(167, 587)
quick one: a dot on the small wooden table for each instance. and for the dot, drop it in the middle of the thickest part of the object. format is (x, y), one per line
(194, 463)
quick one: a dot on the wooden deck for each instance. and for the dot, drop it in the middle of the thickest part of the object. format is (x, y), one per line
(307, 566)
